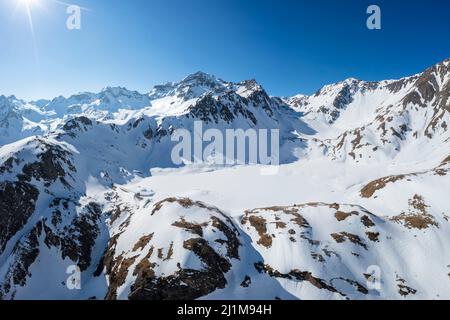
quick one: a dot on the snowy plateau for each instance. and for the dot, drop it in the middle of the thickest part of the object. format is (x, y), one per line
(358, 209)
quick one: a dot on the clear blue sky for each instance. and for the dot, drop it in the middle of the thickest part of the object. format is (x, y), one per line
(288, 46)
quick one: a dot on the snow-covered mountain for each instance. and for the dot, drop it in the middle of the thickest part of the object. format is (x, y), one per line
(356, 210)
(19, 119)
(379, 121)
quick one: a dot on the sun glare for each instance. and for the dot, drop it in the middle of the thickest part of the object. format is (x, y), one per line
(27, 6)
(28, 3)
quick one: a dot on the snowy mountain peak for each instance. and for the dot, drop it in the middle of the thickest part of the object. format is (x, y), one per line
(248, 87)
(191, 87)
(200, 78)
(98, 105)
(4, 98)
(9, 102)
(11, 107)
(119, 91)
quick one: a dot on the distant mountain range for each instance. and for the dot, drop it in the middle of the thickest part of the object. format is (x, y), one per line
(358, 209)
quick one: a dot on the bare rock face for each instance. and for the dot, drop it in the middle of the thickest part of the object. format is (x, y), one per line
(183, 251)
(76, 239)
(230, 106)
(17, 204)
(26, 252)
(18, 197)
(38, 170)
(49, 167)
(79, 124)
(73, 242)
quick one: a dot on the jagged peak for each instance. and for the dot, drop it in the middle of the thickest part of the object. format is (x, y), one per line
(251, 84)
(9, 103)
(87, 95)
(192, 86)
(445, 62)
(118, 90)
(200, 76)
(352, 80)
(5, 98)
(336, 88)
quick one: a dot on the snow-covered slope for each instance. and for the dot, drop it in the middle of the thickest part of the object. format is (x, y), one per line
(380, 121)
(19, 119)
(357, 209)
